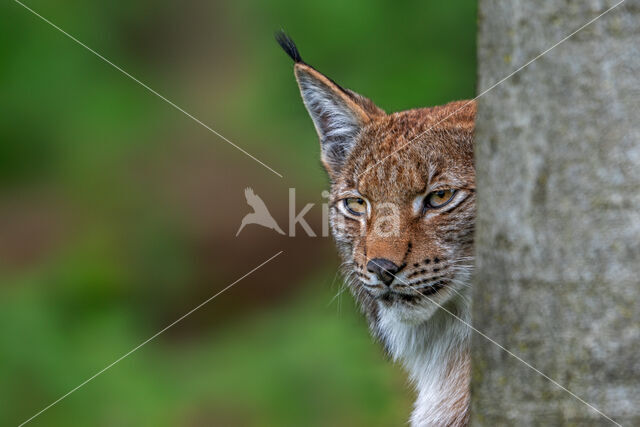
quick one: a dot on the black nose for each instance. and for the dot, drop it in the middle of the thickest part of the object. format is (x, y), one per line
(384, 269)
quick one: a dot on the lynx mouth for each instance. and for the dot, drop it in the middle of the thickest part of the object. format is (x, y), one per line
(410, 294)
(432, 289)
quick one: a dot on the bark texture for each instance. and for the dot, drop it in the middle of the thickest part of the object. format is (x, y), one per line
(558, 226)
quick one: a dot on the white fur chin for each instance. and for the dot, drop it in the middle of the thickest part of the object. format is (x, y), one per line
(434, 348)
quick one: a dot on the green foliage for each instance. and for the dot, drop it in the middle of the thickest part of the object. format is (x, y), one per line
(115, 214)
(303, 363)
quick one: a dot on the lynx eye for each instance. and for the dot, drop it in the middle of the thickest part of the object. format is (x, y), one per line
(438, 199)
(355, 205)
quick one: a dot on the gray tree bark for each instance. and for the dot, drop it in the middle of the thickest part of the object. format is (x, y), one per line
(558, 226)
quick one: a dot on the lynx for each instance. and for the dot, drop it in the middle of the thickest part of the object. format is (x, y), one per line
(402, 214)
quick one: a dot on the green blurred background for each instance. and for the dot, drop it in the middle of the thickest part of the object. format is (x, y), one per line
(118, 213)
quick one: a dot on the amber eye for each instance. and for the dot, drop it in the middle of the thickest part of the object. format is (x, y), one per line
(438, 199)
(355, 205)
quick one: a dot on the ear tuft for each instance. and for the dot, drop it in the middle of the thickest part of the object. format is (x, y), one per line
(289, 46)
(338, 114)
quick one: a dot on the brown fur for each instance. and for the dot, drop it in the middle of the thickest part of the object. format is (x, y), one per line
(442, 154)
(391, 161)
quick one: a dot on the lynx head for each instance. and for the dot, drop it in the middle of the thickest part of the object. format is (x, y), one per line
(402, 202)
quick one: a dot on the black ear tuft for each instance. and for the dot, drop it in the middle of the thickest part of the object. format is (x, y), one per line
(288, 45)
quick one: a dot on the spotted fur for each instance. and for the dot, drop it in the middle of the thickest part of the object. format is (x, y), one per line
(393, 161)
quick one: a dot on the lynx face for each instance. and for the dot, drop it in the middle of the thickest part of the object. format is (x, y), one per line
(404, 225)
(402, 202)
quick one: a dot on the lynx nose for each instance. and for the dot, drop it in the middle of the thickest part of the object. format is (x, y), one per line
(384, 269)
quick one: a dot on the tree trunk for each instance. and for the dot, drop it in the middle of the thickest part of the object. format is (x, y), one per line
(558, 226)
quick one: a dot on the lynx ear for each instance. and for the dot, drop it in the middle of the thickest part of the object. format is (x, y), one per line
(338, 114)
